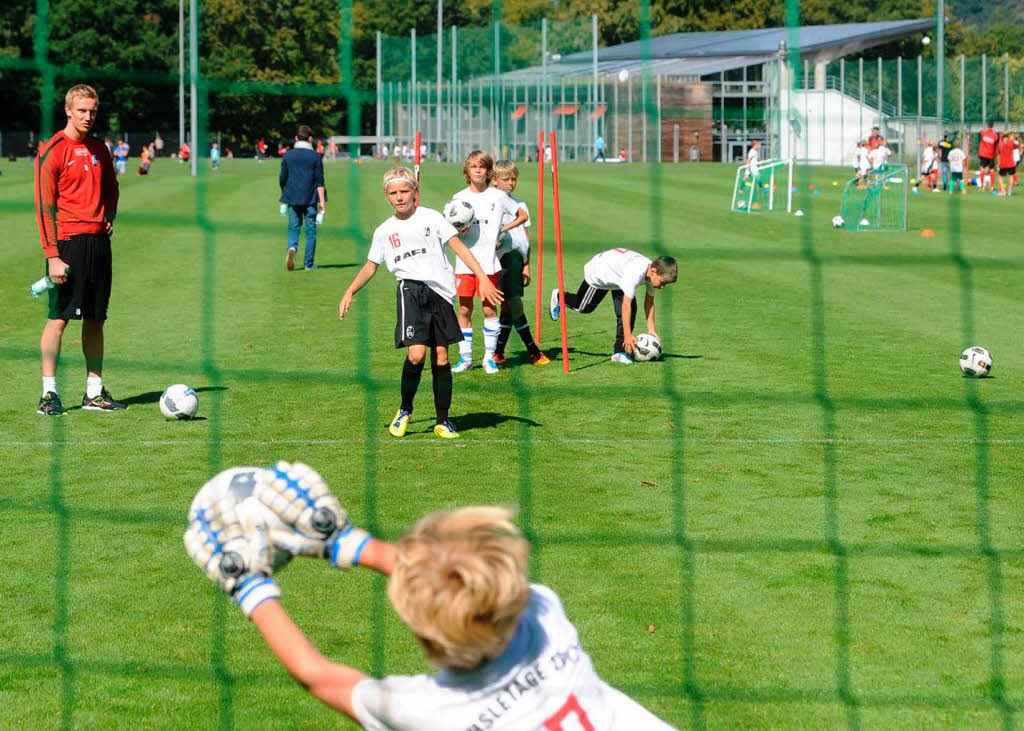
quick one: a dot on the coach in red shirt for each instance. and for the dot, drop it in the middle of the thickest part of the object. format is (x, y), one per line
(76, 202)
(987, 153)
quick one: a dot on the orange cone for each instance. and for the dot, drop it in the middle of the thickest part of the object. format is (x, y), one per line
(927, 234)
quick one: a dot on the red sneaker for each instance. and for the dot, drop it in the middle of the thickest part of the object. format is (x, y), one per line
(499, 358)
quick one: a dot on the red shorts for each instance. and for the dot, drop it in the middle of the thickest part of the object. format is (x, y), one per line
(466, 285)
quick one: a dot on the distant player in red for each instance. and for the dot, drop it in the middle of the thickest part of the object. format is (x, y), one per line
(875, 139)
(76, 202)
(987, 153)
(1007, 165)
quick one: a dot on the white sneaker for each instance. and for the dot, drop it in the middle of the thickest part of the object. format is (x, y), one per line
(554, 308)
(621, 358)
(490, 367)
(462, 366)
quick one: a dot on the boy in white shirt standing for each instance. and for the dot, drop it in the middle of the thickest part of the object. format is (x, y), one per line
(619, 271)
(956, 169)
(411, 244)
(514, 255)
(490, 206)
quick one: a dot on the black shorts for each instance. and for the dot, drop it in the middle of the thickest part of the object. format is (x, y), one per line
(86, 294)
(512, 274)
(986, 162)
(1008, 171)
(424, 317)
(957, 176)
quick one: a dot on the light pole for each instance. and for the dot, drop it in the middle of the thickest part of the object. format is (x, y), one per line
(940, 57)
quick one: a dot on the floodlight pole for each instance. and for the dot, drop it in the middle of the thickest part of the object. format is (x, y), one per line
(181, 71)
(193, 52)
(596, 125)
(940, 57)
(440, 41)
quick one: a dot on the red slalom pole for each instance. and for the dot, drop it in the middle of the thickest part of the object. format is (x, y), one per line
(558, 254)
(416, 163)
(540, 232)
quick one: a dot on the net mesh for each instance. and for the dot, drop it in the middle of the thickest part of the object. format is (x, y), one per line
(484, 118)
(876, 202)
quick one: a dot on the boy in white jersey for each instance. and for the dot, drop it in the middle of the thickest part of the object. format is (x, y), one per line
(861, 163)
(514, 255)
(929, 165)
(411, 243)
(619, 271)
(956, 170)
(508, 657)
(879, 158)
(491, 207)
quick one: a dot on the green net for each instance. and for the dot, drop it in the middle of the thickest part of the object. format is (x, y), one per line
(877, 201)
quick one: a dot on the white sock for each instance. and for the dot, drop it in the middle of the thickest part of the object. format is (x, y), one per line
(466, 346)
(491, 328)
(49, 384)
(93, 386)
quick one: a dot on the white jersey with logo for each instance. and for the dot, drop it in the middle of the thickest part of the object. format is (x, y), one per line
(542, 681)
(414, 249)
(752, 161)
(490, 208)
(618, 269)
(956, 160)
(516, 239)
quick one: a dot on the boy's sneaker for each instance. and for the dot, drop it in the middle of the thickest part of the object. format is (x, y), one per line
(554, 308)
(500, 358)
(446, 430)
(50, 405)
(539, 358)
(462, 366)
(312, 267)
(621, 358)
(103, 402)
(400, 424)
(289, 260)
(490, 367)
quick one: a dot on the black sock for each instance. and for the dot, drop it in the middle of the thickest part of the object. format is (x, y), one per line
(410, 382)
(523, 328)
(503, 334)
(442, 391)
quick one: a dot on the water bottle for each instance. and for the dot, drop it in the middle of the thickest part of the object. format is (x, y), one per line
(43, 285)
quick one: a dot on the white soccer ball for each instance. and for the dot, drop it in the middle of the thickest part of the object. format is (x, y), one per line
(864, 222)
(648, 347)
(975, 362)
(179, 402)
(458, 213)
(837, 221)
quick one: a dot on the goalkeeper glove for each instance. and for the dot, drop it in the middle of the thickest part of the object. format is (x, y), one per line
(237, 562)
(297, 494)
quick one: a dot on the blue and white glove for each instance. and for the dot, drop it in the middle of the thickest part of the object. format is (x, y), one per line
(240, 563)
(298, 496)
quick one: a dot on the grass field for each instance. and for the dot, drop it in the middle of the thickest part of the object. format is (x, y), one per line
(802, 517)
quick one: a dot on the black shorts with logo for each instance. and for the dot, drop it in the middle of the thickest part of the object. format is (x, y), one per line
(424, 317)
(86, 294)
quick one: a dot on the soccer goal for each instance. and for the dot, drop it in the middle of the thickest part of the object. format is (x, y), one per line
(764, 191)
(877, 202)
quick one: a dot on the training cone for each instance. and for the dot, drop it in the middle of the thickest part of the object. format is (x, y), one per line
(913, 181)
(798, 212)
(810, 187)
(834, 183)
(756, 206)
(927, 234)
(792, 190)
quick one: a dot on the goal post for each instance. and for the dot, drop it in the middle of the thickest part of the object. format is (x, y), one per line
(761, 192)
(877, 202)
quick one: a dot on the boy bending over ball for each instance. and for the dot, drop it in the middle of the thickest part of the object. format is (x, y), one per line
(411, 244)
(490, 206)
(507, 657)
(619, 271)
(514, 255)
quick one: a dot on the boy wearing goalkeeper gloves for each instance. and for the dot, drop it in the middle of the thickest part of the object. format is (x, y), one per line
(508, 658)
(411, 244)
(619, 271)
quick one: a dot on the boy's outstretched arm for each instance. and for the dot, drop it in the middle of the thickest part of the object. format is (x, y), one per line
(488, 292)
(365, 275)
(332, 683)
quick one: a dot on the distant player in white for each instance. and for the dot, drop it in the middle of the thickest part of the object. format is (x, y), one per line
(753, 159)
(619, 271)
(411, 244)
(508, 658)
(956, 169)
(861, 162)
(491, 208)
(879, 157)
(929, 164)
(514, 255)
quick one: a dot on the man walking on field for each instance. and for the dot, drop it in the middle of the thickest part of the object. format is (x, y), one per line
(76, 202)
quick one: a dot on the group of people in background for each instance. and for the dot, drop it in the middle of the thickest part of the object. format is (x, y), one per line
(945, 163)
(401, 152)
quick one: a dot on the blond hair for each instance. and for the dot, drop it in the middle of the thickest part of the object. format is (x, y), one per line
(506, 167)
(460, 584)
(80, 90)
(478, 157)
(399, 174)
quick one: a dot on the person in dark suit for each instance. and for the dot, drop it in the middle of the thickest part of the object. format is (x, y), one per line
(303, 195)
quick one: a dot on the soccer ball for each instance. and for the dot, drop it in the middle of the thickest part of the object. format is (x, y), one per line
(648, 347)
(975, 362)
(837, 221)
(179, 402)
(459, 213)
(864, 222)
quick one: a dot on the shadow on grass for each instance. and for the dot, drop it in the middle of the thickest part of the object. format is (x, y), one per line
(606, 358)
(340, 266)
(487, 420)
(152, 397)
